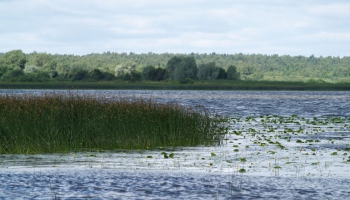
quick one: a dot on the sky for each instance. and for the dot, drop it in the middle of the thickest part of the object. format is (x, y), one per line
(283, 27)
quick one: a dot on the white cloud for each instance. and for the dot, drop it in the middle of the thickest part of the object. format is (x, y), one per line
(329, 36)
(179, 26)
(337, 9)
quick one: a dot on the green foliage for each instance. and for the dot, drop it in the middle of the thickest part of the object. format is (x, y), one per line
(96, 74)
(125, 69)
(253, 67)
(12, 74)
(15, 58)
(153, 74)
(80, 74)
(222, 74)
(44, 62)
(132, 76)
(3, 69)
(208, 71)
(12, 65)
(232, 73)
(172, 65)
(62, 123)
(182, 67)
(30, 69)
(147, 72)
(38, 76)
(158, 74)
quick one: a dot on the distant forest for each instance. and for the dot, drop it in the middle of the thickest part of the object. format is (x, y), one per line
(17, 66)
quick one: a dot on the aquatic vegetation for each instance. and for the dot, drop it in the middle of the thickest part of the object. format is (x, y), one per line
(69, 122)
(270, 154)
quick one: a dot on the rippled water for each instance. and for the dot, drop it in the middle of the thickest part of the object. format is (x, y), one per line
(65, 177)
(245, 103)
(114, 184)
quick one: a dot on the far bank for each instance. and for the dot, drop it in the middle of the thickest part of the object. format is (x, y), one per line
(173, 85)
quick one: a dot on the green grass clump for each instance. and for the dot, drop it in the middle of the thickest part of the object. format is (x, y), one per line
(62, 123)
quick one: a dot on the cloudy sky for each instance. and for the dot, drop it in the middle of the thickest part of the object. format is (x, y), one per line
(284, 27)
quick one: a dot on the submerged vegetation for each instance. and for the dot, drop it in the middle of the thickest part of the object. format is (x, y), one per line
(69, 122)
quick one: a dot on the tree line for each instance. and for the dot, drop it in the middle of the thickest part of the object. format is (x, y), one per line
(18, 66)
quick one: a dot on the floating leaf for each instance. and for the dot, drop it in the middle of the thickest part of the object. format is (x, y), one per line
(165, 155)
(242, 170)
(213, 154)
(171, 155)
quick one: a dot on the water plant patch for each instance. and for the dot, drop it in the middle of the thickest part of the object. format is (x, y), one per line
(55, 122)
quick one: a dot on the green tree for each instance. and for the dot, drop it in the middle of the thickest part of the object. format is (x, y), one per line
(158, 74)
(222, 74)
(96, 75)
(232, 73)
(46, 63)
(80, 74)
(147, 71)
(172, 64)
(11, 75)
(153, 74)
(12, 64)
(182, 67)
(208, 71)
(125, 69)
(15, 58)
(133, 76)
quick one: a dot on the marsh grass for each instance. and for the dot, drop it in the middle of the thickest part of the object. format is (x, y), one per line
(69, 122)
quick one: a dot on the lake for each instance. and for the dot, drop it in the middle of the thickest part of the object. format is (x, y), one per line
(282, 145)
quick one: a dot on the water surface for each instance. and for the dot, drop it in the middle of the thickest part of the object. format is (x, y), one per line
(195, 173)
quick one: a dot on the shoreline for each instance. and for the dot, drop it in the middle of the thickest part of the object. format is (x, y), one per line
(239, 85)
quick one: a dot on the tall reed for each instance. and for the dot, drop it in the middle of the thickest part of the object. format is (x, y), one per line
(69, 122)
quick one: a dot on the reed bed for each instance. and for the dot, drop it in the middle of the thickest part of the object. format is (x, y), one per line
(55, 122)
